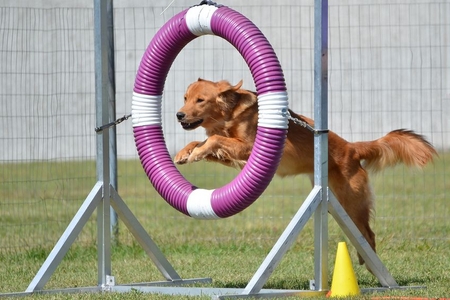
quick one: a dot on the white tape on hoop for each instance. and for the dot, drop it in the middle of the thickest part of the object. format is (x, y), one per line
(146, 110)
(272, 110)
(198, 19)
(199, 204)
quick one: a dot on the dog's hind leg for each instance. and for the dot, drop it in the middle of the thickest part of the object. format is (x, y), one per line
(354, 193)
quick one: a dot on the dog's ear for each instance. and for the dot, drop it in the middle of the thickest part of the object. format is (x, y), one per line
(238, 85)
(227, 95)
(226, 87)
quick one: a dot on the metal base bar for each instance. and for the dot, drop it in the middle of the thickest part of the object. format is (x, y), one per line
(229, 293)
(214, 293)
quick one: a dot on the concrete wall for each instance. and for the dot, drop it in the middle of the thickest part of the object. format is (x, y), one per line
(388, 61)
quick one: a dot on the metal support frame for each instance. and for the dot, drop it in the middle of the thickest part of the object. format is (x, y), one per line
(104, 195)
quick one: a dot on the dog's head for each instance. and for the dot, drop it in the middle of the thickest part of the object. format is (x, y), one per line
(207, 104)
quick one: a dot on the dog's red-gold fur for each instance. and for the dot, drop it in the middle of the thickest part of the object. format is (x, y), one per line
(229, 114)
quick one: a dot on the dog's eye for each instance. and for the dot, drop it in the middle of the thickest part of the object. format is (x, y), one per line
(185, 98)
(200, 100)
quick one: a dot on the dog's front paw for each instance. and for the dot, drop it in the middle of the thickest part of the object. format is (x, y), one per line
(197, 154)
(182, 156)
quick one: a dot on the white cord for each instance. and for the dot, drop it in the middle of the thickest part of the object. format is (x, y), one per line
(167, 7)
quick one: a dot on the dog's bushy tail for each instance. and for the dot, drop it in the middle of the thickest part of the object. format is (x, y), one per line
(398, 146)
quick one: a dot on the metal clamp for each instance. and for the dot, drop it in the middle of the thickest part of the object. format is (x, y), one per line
(114, 123)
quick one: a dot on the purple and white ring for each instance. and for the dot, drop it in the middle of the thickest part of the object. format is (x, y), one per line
(272, 112)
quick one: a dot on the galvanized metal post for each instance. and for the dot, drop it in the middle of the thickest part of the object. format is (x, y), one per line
(104, 99)
(111, 81)
(321, 142)
(105, 94)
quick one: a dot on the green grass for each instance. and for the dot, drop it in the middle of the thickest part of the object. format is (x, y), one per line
(38, 200)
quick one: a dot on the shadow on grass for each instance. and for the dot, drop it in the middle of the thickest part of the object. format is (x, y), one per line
(288, 284)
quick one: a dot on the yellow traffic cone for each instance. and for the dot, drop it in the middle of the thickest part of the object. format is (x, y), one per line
(344, 279)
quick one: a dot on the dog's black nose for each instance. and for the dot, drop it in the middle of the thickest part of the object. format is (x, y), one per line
(180, 115)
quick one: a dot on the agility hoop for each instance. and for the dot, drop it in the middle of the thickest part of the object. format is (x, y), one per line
(272, 112)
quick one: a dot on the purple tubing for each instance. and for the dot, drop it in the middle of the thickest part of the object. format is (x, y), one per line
(268, 148)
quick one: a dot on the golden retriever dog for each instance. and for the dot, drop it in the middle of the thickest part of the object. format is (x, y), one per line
(229, 115)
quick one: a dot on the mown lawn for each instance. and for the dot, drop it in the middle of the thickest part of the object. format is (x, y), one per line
(38, 200)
